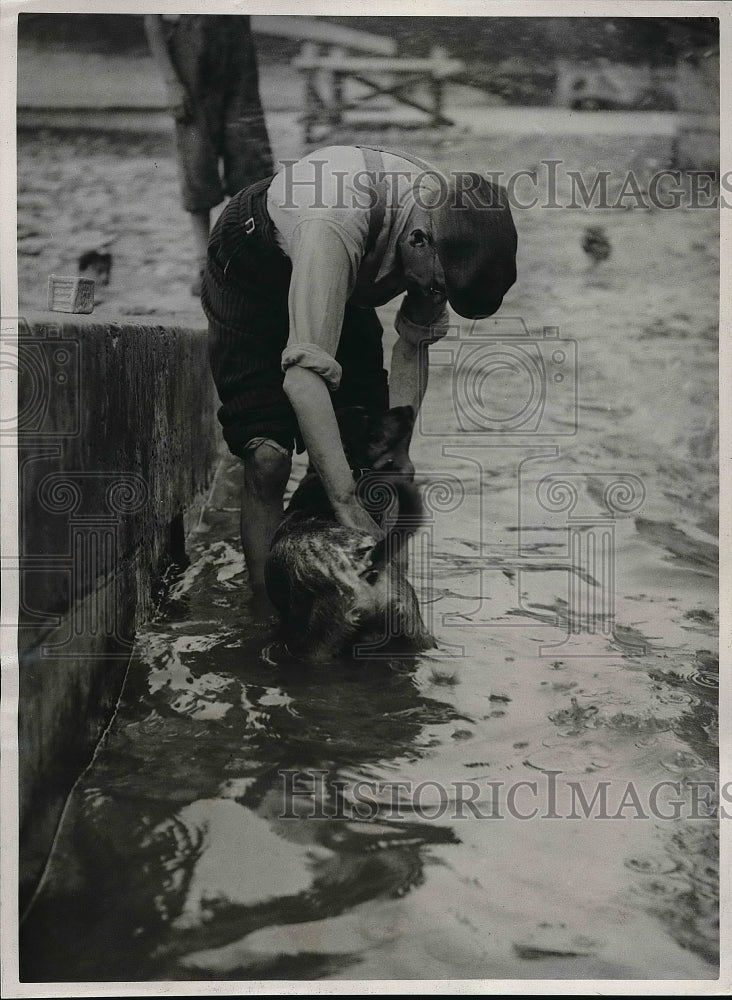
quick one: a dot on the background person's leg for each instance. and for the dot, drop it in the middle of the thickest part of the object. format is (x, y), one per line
(200, 222)
(197, 136)
(246, 149)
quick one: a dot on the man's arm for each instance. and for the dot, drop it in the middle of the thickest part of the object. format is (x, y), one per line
(319, 288)
(408, 374)
(311, 402)
(420, 322)
(179, 100)
(410, 361)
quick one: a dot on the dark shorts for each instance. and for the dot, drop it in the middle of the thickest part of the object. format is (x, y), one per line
(245, 293)
(214, 57)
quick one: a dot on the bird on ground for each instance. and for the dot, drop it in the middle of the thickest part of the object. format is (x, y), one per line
(96, 263)
(596, 244)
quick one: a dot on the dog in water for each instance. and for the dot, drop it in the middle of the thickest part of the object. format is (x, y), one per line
(337, 588)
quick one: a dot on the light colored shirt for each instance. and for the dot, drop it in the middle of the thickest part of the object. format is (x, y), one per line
(320, 207)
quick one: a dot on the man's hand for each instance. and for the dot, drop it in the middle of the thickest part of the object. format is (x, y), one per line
(352, 515)
(310, 400)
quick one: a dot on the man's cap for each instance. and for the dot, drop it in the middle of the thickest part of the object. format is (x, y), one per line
(476, 243)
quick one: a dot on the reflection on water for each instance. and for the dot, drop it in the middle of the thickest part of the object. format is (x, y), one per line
(179, 857)
(249, 821)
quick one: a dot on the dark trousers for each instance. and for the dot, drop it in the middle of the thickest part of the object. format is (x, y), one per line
(245, 293)
(214, 56)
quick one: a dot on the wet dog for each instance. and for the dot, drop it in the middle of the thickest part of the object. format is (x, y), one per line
(338, 591)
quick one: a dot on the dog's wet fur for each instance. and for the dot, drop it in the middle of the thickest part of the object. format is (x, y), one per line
(337, 591)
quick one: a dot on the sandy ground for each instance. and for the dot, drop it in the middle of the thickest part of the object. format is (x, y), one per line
(593, 663)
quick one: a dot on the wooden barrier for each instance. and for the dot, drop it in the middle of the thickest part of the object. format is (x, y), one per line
(327, 77)
(312, 29)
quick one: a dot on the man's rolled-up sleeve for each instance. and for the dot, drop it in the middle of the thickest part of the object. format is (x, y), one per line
(316, 359)
(428, 330)
(324, 265)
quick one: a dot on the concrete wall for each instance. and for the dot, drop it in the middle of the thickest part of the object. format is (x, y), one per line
(117, 443)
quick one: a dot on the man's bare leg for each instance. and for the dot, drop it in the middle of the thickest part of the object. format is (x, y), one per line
(200, 223)
(266, 472)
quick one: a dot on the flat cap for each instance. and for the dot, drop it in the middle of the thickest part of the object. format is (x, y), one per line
(476, 243)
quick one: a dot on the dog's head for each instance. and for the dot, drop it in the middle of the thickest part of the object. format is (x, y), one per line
(336, 589)
(367, 438)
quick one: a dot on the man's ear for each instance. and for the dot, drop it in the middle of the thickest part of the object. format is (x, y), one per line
(419, 238)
